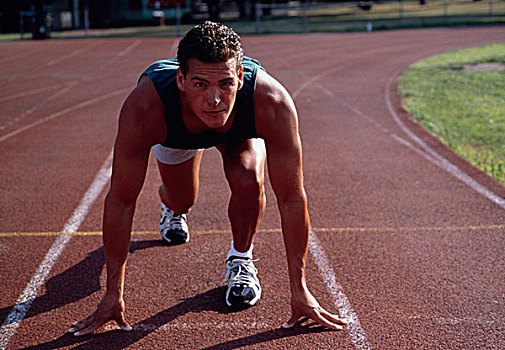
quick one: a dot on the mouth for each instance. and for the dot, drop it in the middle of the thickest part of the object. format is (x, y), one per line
(214, 113)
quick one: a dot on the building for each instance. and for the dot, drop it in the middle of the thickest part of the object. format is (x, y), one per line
(77, 14)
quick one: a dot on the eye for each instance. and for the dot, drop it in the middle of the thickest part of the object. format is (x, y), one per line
(200, 84)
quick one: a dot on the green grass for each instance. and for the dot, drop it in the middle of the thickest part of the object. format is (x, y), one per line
(466, 110)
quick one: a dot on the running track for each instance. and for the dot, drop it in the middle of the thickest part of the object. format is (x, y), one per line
(408, 239)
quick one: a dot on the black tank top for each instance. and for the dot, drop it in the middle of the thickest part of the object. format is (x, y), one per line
(163, 75)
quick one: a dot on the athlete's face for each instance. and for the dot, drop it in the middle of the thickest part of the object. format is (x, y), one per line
(210, 90)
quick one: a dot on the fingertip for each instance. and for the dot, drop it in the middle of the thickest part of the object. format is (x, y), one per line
(340, 321)
(287, 325)
(71, 330)
(126, 328)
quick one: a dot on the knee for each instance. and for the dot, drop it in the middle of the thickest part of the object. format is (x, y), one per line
(247, 185)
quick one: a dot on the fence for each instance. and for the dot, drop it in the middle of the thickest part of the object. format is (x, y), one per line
(298, 16)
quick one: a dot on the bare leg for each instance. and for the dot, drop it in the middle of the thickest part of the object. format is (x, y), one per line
(244, 165)
(180, 184)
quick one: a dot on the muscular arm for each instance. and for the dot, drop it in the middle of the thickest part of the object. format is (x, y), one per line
(277, 124)
(138, 131)
(141, 125)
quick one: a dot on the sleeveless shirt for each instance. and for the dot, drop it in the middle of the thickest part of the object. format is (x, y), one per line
(163, 74)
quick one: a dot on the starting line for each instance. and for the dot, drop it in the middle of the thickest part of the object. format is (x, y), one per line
(146, 327)
(317, 230)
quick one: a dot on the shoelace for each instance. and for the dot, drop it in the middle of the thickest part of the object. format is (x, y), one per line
(173, 221)
(241, 271)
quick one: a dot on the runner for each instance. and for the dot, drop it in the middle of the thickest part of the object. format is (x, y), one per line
(209, 96)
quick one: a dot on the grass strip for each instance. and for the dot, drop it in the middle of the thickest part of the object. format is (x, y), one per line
(462, 105)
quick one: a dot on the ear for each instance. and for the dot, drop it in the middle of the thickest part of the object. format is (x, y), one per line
(241, 78)
(181, 81)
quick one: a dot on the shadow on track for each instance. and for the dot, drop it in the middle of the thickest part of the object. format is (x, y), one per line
(211, 300)
(208, 301)
(267, 336)
(64, 288)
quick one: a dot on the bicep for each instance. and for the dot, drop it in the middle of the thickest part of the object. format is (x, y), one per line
(131, 150)
(128, 170)
(277, 124)
(285, 170)
(284, 156)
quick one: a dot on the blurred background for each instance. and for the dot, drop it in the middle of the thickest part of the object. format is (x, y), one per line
(43, 19)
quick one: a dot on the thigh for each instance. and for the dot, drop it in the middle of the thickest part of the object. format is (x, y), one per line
(243, 159)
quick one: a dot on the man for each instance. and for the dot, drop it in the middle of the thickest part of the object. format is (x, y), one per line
(210, 96)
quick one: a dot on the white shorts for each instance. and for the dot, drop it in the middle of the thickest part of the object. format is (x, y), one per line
(173, 156)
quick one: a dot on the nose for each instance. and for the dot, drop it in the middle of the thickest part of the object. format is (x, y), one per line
(213, 97)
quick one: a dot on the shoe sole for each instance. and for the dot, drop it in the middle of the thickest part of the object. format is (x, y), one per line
(243, 306)
(175, 242)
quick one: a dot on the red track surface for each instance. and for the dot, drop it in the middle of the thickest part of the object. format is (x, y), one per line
(418, 254)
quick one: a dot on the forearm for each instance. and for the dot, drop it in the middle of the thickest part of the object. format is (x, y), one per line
(295, 229)
(117, 223)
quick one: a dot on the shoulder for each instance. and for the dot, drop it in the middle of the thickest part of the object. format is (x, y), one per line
(143, 112)
(274, 107)
(144, 97)
(162, 75)
(251, 65)
(270, 94)
(162, 66)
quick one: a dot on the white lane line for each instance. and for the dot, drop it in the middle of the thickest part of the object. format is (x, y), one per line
(96, 187)
(120, 54)
(23, 303)
(128, 49)
(340, 300)
(413, 148)
(41, 103)
(33, 92)
(438, 159)
(426, 151)
(26, 299)
(63, 112)
(104, 70)
(73, 54)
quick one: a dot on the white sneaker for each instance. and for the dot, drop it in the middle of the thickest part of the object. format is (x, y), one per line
(244, 288)
(173, 228)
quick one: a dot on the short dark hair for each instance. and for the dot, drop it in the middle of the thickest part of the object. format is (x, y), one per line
(210, 42)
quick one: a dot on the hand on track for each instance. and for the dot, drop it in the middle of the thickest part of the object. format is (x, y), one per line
(306, 306)
(110, 308)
